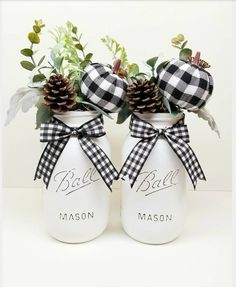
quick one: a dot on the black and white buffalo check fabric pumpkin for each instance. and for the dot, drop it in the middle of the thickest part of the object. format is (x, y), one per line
(185, 84)
(103, 87)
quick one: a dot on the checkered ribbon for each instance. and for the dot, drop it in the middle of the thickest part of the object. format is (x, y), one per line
(178, 138)
(56, 134)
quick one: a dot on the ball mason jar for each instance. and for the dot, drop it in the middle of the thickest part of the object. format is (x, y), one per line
(76, 202)
(153, 211)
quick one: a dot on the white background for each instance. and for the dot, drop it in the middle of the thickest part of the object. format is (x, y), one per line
(145, 29)
(201, 257)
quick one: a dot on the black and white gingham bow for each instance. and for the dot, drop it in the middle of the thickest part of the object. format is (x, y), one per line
(177, 136)
(57, 134)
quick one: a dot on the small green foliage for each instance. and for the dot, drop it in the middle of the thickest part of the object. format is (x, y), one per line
(123, 114)
(44, 113)
(132, 70)
(152, 64)
(116, 49)
(69, 48)
(36, 29)
(41, 60)
(27, 65)
(119, 52)
(34, 38)
(38, 78)
(185, 54)
(27, 52)
(180, 43)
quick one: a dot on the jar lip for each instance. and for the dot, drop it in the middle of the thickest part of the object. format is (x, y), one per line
(159, 116)
(70, 114)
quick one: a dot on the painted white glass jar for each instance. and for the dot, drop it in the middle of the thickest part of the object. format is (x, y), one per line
(153, 211)
(77, 201)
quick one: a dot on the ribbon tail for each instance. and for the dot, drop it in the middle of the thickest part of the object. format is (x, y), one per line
(136, 159)
(188, 158)
(48, 160)
(100, 160)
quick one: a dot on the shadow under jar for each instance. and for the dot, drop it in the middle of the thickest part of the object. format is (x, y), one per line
(153, 211)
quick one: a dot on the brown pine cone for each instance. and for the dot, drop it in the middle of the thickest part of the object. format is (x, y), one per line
(59, 93)
(143, 97)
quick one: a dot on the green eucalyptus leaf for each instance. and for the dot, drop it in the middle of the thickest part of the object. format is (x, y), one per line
(175, 41)
(27, 65)
(152, 62)
(44, 113)
(41, 60)
(180, 37)
(123, 114)
(34, 38)
(88, 57)
(133, 69)
(97, 109)
(184, 44)
(36, 29)
(84, 63)
(74, 30)
(79, 46)
(39, 78)
(27, 52)
(185, 54)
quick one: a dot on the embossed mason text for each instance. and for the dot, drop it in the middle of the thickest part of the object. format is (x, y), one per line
(154, 217)
(76, 216)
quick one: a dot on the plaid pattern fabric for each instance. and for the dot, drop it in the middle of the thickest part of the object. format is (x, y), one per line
(57, 134)
(185, 85)
(103, 87)
(178, 138)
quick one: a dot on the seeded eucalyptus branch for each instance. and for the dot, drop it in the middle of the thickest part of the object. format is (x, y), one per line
(34, 38)
(180, 43)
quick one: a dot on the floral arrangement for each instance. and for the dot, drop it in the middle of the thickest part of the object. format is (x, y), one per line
(55, 83)
(68, 80)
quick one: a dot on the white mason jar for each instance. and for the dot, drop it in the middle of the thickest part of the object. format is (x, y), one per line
(76, 202)
(153, 211)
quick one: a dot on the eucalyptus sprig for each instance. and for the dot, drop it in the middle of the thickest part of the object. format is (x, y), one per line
(34, 39)
(180, 43)
(119, 52)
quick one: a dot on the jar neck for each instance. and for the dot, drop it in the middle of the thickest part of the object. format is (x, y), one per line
(160, 120)
(76, 118)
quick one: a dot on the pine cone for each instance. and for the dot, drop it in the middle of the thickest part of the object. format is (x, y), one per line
(142, 96)
(59, 93)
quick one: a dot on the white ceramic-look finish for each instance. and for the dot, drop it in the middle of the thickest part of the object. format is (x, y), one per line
(153, 211)
(76, 203)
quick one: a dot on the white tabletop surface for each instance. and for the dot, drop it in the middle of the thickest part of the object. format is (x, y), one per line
(201, 257)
